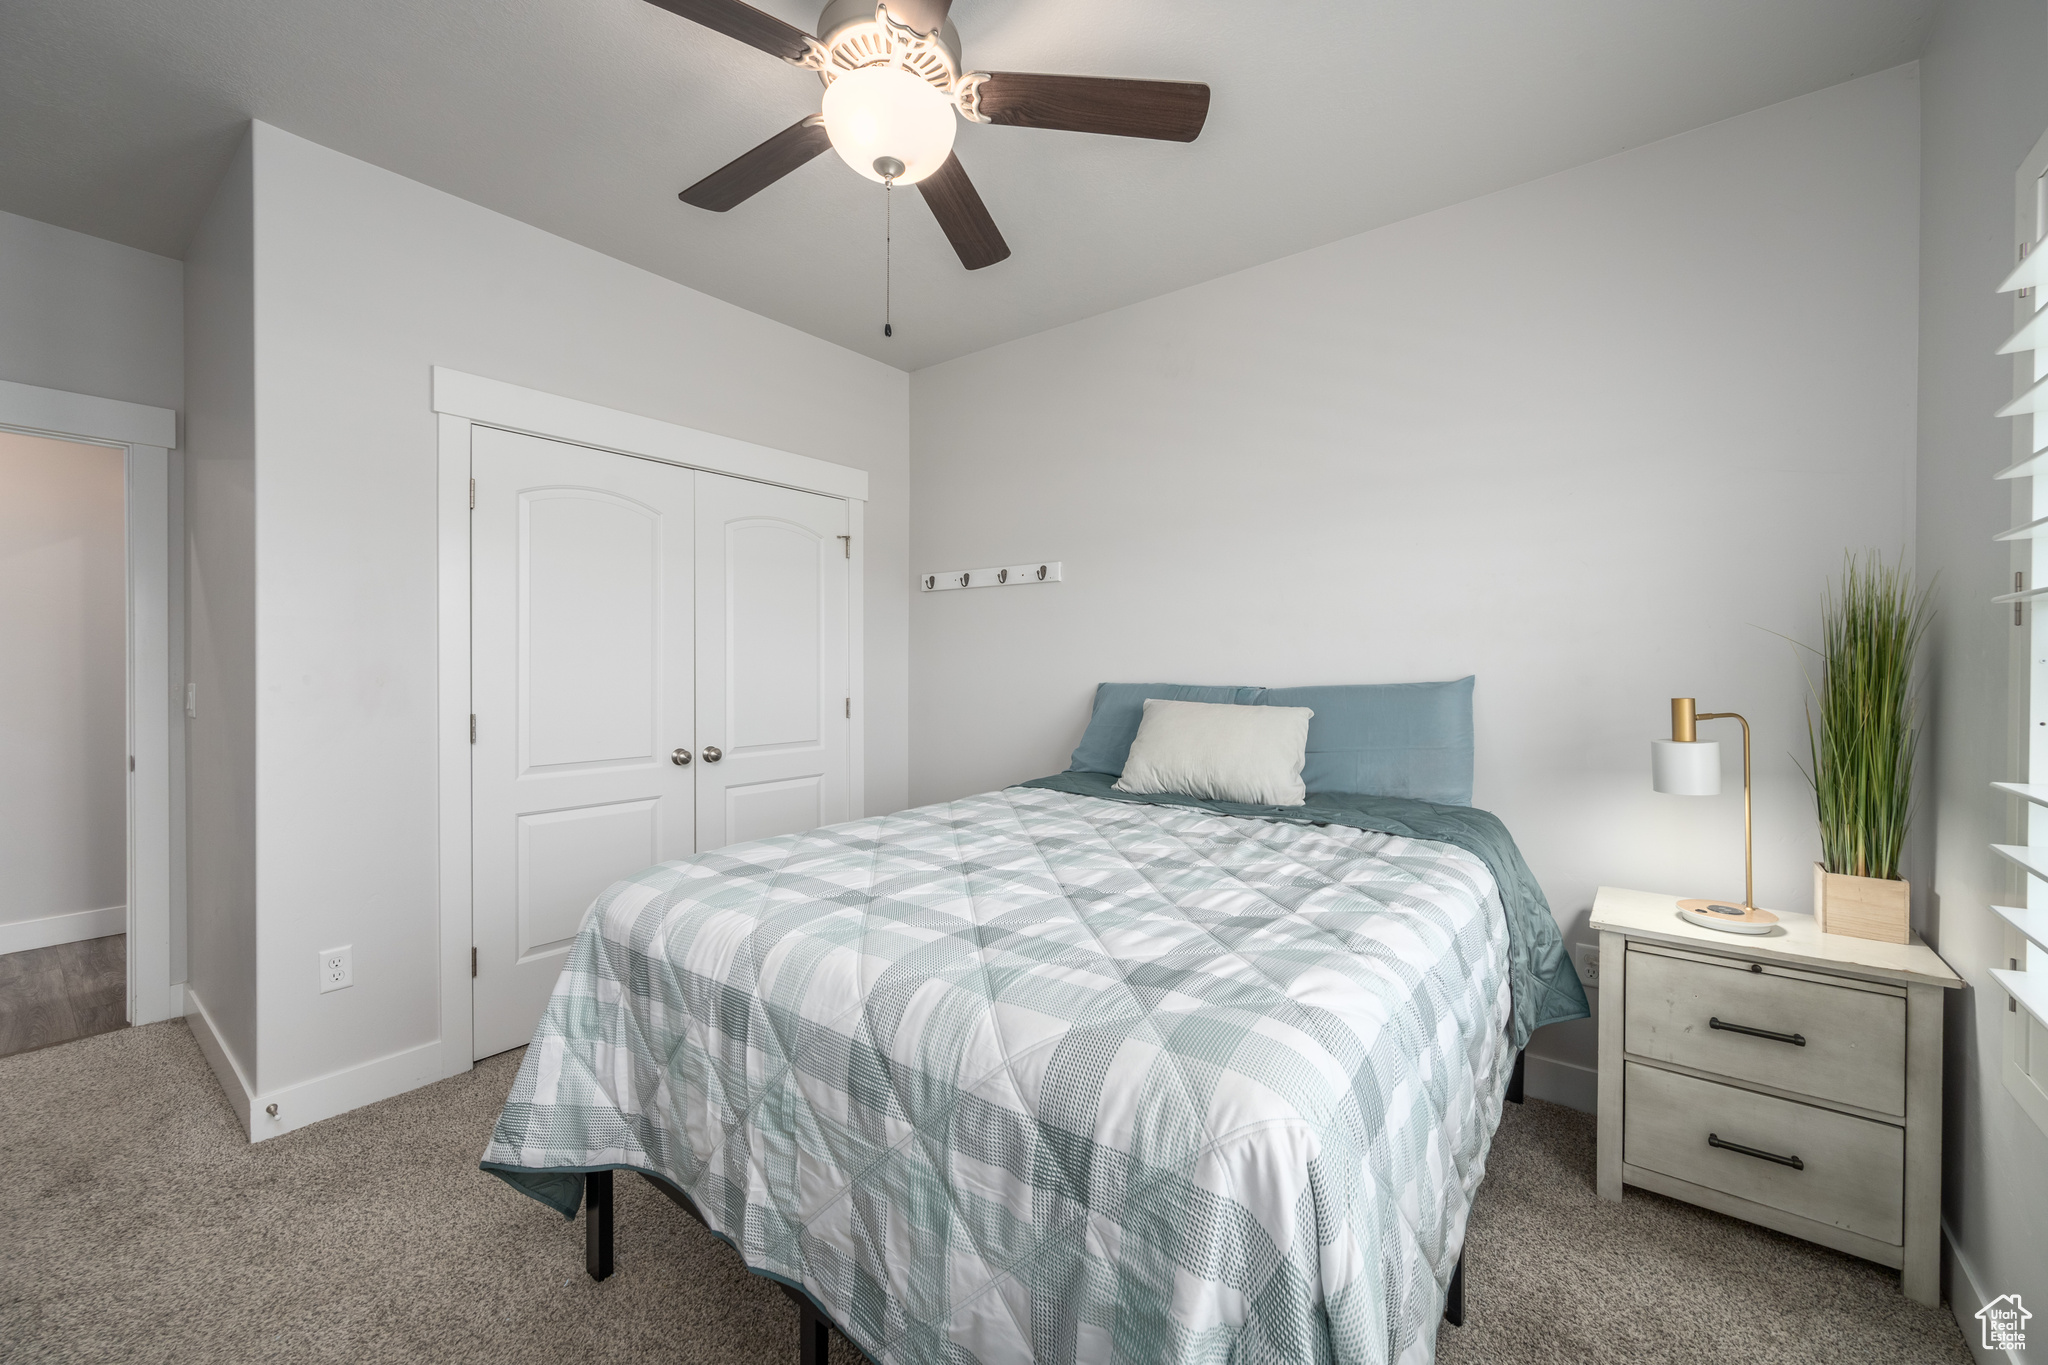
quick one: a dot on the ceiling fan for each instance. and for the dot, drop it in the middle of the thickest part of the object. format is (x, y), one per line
(893, 79)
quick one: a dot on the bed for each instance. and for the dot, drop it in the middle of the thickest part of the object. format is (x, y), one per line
(1057, 1073)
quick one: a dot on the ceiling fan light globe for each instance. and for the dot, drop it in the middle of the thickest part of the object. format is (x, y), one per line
(884, 111)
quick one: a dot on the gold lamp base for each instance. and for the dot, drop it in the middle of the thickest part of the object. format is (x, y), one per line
(1728, 917)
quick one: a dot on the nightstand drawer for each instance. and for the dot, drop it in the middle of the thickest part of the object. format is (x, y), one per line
(1850, 1172)
(1784, 1029)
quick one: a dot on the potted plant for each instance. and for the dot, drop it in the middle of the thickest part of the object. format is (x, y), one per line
(1862, 729)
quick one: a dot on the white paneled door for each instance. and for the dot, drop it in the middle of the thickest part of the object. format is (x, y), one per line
(581, 664)
(772, 697)
(658, 662)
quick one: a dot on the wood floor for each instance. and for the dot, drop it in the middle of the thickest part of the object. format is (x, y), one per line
(53, 995)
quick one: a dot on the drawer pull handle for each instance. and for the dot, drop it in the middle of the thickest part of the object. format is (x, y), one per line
(1796, 1039)
(1714, 1140)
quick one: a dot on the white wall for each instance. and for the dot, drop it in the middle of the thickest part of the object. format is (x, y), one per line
(1986, 75)
(1593, 439)
(365, 280)
(63, 722)
(89, 316)
(220, 486)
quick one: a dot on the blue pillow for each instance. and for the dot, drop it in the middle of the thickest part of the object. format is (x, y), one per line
(1387, 739)
(1120, 706)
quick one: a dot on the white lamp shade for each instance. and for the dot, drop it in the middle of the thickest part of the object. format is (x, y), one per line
(882, 111)
(1686, 768)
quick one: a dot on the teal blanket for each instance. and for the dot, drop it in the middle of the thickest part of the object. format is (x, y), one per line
(1540, 974)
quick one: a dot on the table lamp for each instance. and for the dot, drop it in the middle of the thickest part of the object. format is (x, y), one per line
(1685, 765)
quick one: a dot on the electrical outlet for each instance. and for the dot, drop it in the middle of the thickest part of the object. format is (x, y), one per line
(337, 968)
(1586, 957)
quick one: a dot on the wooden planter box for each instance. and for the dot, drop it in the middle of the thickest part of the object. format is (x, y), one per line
(1863, 907)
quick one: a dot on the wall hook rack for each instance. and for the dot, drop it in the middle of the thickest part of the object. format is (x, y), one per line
(1002, 576)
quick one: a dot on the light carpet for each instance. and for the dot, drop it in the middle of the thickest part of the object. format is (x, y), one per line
(137, 1225)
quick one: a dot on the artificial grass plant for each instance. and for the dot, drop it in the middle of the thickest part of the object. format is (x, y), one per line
(1862, 715)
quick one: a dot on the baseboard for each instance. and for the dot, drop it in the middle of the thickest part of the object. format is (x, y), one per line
(309, 1101)
(340, 1091)
(75, 927)
(1566, 1083)
(1965, 1297)
(225, 1069)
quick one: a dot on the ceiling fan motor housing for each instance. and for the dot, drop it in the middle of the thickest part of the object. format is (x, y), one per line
(854, 36)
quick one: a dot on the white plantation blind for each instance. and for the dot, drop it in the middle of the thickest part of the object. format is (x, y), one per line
(2024, 975)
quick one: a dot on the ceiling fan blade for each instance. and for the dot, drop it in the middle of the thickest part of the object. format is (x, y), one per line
(740, 180)
(742, 21)
(958, 207)
(1172, 111)
(926, 16)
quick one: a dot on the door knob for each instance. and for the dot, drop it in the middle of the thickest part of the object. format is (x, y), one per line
(711, 755)
(681, 758)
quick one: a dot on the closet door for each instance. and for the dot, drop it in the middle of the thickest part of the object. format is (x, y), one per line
(581, 641)
(771, 661)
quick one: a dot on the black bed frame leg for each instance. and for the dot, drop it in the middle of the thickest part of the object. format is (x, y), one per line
(814, 1340)
(1515, 1078)
(597, 1224)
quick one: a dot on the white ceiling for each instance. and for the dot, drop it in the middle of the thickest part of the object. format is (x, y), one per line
(585, 117)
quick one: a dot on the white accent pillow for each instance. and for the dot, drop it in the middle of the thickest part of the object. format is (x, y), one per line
(1251, 754)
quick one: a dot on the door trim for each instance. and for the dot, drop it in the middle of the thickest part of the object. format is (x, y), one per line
(463, 402)
(153, 535)
(856, 672)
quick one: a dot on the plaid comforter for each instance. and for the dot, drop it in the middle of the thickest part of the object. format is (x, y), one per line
(1038, 1076)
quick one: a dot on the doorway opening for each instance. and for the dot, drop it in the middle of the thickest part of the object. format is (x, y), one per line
(63, 741)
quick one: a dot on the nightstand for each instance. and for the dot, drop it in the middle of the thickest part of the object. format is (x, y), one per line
(1791, 1079)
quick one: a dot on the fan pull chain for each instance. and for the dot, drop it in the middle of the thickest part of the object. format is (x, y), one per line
(889, 168)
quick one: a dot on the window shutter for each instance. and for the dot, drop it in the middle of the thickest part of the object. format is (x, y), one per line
(2023, 976)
